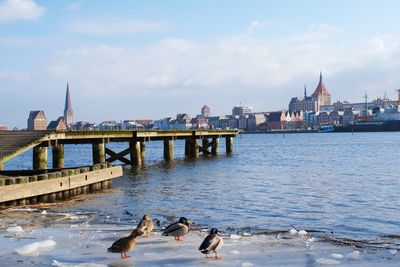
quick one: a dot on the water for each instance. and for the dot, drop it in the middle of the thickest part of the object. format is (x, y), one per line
(335, 182)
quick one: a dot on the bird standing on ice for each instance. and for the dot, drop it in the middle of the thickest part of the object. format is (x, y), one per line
(124, 245)
(212, 243)
(145, 226)
(178, 229)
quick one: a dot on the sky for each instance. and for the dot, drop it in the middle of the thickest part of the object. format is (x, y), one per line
(152, 59)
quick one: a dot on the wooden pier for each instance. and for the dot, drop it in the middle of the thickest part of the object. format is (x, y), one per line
(14, 143)
(47, 185)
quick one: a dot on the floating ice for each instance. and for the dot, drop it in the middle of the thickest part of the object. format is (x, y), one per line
(56, 263)
(246, 234)
(392, 251)
(302, 232)
(44, 212)
(312, 239)
(33, 247)
(233, 236)
(353, 255)
(337, 256)
(236, 252)
(327, 261)
(293, 231)
(15, 229)
(247, 264)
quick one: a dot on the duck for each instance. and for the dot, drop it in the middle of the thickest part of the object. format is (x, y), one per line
(212, 243)
(145, 226)
(124, 245)
(178, 229)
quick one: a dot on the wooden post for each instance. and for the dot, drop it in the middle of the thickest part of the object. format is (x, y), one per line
(194, 148)
(214, 147)
(98, 151)
(142, 150)
(205, 144)
(58, 156)
(168, 149)
(136, 157)
(229, 145)
(187, 146)
(39, 158)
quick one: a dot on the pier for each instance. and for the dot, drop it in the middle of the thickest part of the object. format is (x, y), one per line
(42, 184)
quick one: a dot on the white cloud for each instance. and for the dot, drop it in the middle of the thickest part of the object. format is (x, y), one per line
(73, 6)
(114, 27)
(257, 25)
(13, 10)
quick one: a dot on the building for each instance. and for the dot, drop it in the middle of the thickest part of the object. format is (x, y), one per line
(320, 97)
(205, 111)
(57, 125)
(3, 127)
(68, 112)
(37, 120)
(242, 110)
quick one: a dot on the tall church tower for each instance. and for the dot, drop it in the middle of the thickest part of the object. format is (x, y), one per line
(68, 112)
(321, 96)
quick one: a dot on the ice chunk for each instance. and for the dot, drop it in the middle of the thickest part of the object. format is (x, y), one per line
(292, 231)
(44, 212)
(15, 229)
(233, 236)
(312, 239)
(302, 232)
(33, 247)
(392, 251)
(246, 234)
(56, 263)
(327, 261)
(247, 264)
(337, 256)
(353, 255)
(236, 252)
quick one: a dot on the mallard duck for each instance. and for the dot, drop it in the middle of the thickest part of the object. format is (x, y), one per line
(212, 243)
(145, 226)
(124, 245)
(178, 229)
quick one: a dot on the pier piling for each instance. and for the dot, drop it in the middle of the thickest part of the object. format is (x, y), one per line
(194, 148)
(135, 153)
(58, 156)
(98, 151)
(229, 145)
(168, 149)
(40, 158)
(214, 146)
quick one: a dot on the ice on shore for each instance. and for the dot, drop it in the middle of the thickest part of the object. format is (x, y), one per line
(56, 263)
(327, 261)
(355, 255)
(36, 247)
(15, 229)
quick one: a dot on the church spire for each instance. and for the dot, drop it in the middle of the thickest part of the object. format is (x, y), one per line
(68, 112)
(305, 91)
(320, 76)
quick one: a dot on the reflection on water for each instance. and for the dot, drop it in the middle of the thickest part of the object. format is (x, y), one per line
(341, 183)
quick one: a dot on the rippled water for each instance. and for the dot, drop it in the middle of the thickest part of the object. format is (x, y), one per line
(341, 183)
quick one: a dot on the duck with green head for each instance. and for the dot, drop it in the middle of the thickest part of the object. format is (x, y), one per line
(178, 229)
(212, 243)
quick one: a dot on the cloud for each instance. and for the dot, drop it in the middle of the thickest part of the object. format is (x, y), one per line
(73, 6)
(114, 27)
(13, 10)
(257, 25)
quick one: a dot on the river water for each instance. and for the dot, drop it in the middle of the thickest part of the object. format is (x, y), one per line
(337, 183)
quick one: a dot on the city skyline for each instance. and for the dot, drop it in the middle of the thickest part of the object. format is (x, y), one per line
(155, 59)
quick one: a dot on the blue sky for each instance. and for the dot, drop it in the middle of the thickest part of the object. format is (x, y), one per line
(149, 59)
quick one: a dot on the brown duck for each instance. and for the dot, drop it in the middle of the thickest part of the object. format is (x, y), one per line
(124, 245)
(145, 226)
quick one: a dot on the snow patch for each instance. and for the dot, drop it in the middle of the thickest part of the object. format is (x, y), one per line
(36, 247)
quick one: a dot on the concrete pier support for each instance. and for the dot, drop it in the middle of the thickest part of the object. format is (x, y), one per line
(58, 156)
(214, 146)
(39, 158)
(99, 153)
(194, 148)
(135, 153)
(229, 145)
(168, 149)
